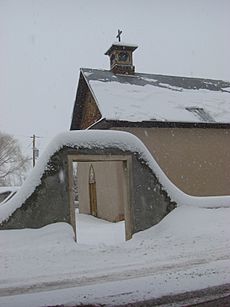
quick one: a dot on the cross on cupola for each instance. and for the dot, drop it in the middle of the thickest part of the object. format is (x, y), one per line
(119, 35)
(121, 57)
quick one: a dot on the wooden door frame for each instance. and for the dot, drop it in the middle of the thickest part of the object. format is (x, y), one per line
(127, 171)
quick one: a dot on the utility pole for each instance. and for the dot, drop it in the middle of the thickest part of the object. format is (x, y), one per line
(33, 137)
(34, 149)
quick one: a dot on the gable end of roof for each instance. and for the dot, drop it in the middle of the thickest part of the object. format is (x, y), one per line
(82, 90)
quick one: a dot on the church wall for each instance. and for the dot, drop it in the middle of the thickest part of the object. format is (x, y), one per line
(196, 160)
(83, 187)
(110, 187)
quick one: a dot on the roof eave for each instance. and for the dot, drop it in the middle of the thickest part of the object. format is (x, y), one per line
(108, 124)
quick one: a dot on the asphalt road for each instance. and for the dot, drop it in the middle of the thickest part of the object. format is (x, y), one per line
(209, 297)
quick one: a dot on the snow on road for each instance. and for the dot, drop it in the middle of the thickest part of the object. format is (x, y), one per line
(188, 250)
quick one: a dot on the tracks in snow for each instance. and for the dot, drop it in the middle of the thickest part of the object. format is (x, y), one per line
(116, 273)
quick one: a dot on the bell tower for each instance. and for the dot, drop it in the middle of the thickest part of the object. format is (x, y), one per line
(121, 57)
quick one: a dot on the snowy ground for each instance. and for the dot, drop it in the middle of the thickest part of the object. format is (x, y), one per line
(188, 250)
(93, 231)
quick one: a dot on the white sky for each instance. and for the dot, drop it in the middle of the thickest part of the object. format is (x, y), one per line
(45, 42)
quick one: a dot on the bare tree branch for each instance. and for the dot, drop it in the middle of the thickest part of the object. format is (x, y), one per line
(13, 164)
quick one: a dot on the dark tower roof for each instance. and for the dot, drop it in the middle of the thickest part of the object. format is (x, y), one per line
(120, 46)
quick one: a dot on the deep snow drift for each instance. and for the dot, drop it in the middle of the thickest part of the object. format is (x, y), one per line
(188, 250)
(95, 231)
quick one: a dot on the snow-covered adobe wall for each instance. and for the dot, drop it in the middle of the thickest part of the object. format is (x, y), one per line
(45, 196)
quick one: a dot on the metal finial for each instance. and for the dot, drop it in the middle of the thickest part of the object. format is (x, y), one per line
(119, 35)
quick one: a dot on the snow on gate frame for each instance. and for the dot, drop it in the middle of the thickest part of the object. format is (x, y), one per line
(127, 172)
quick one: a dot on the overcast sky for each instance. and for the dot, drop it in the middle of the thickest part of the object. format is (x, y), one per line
(45, 42)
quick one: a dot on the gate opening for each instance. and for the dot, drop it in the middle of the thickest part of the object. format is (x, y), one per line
(99, 193)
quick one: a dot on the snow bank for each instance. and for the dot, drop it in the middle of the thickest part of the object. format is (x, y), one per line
(188, 250)
(105, 139)
(94, 231)
(9, 189)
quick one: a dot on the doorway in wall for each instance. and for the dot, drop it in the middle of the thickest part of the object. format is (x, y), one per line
(103, 213)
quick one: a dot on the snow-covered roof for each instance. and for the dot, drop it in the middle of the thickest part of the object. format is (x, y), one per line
(150, 97)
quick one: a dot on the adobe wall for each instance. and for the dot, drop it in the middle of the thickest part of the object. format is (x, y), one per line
(196, 160)
(147, 202)
(49, 203)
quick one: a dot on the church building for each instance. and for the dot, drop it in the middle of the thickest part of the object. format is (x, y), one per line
(184, 122)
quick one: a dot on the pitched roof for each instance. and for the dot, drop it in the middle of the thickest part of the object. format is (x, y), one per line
(161, 98)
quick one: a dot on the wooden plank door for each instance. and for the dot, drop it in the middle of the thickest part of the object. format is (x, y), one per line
(92, 191)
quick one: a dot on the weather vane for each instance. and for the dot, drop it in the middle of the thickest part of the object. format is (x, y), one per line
(119, 35)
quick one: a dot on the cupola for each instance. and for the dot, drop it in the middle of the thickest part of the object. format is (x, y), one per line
(121, 57)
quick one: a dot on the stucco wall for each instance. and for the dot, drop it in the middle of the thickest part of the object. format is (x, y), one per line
(110, 185)
(146, 201)
(196, 160)
(49, 203)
